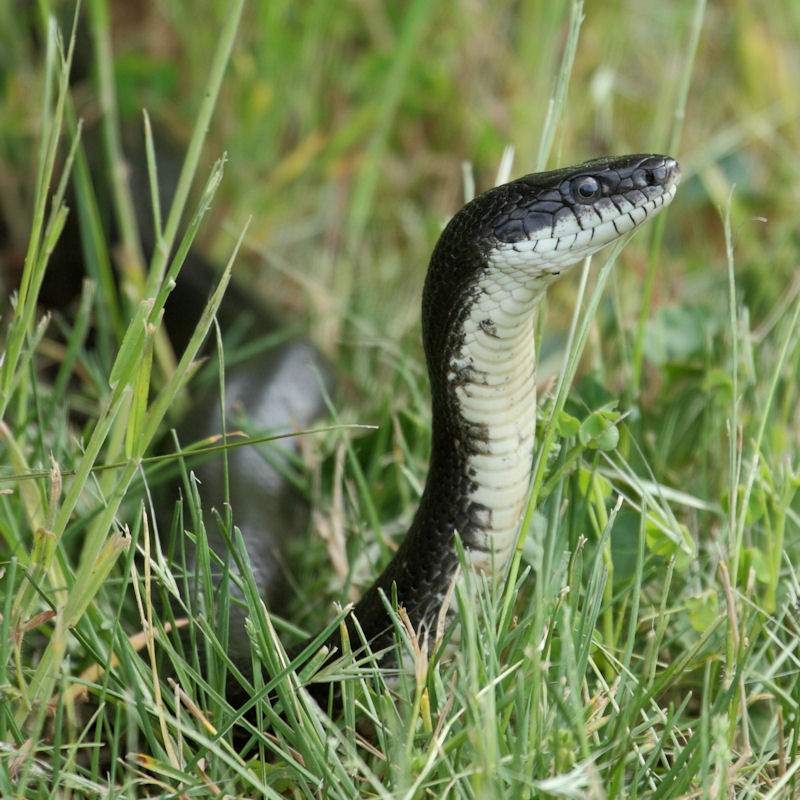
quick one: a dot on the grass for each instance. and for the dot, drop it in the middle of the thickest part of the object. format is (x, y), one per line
(646, 644)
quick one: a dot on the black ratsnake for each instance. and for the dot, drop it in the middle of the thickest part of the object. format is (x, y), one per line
(488, 271)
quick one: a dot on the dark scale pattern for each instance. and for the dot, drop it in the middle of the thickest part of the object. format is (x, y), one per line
(424, 565)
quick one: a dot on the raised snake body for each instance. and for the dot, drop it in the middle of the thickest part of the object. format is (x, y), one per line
(487, 273)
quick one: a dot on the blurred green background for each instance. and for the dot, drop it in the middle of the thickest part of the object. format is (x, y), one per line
(346, 124)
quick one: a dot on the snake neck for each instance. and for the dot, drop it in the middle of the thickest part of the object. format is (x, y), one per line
(484, 424)
(484, 417)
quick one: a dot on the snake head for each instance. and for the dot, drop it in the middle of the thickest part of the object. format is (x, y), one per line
(515, 239)
(553, 219)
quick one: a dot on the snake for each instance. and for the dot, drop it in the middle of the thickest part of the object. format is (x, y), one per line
(487, 274)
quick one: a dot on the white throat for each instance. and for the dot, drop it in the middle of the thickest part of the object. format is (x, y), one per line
(499, 399)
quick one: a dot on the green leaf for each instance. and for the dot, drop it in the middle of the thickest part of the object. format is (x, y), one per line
(599, 431)
(757, 560)
(662, 540)
(703, 609)
(567, 425)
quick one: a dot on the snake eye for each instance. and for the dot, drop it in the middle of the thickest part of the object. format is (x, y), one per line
(586, 188)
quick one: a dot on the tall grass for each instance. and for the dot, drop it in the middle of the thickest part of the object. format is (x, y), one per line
(646, 643)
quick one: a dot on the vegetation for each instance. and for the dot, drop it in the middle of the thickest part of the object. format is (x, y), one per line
(646, 643)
